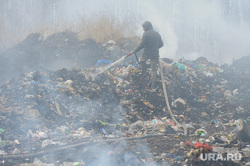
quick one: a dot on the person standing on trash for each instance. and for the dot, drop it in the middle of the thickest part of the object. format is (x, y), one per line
(151, 43)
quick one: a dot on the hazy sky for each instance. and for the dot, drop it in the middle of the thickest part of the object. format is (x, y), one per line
(218, 29)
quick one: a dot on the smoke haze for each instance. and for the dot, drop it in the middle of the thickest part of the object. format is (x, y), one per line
(218, 30)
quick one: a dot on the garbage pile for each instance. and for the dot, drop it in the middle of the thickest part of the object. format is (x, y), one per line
(57, 51)
(74, 117)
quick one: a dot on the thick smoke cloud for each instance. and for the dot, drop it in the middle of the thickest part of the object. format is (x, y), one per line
(218, 30)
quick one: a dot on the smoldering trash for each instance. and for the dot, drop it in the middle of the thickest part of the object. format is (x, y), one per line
(75, 117)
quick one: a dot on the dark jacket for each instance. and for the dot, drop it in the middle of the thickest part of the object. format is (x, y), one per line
(151, 42)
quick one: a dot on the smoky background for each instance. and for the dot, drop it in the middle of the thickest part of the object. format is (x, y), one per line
(217, 30)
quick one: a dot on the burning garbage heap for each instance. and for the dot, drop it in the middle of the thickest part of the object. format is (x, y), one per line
(94, 116)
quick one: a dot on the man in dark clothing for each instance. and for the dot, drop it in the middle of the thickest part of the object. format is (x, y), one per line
(151, 42)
